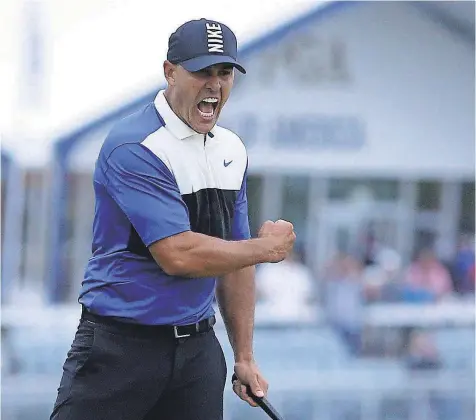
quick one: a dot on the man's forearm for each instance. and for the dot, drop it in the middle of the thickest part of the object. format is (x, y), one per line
(197, 255)
(236, 297)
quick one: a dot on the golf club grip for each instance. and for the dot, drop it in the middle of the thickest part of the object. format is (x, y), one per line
(265, 405)
(262, 402)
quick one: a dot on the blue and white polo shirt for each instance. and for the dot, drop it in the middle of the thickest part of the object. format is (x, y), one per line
(155, 177)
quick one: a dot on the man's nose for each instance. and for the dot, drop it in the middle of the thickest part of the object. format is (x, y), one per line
(213, 83)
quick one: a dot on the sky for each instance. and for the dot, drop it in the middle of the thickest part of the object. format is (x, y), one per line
(93, 55)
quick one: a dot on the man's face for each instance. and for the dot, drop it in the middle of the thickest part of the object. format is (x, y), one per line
(199, 97)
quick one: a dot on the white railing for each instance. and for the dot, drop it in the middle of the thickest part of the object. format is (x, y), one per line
(334, 396)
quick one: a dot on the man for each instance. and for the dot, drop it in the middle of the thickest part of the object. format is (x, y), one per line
(170, 224)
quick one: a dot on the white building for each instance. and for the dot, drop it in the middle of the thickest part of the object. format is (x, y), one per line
(358, 114)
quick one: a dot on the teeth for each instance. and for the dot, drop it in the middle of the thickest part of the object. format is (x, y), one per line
(206, 114)
(210, 100)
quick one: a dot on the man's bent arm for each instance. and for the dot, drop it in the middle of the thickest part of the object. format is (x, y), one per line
(191, 254)
(236, 295)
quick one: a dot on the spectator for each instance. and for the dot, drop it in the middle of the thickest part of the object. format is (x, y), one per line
(472, 276)
(345, 299)
(426, 279)
(286, 289)
(370, 248)
(463, 266)
(422, 352)
(381, 278)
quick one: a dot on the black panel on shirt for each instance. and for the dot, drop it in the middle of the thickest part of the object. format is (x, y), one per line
(211, 211)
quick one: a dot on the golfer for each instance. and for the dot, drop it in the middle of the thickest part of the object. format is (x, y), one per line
(170, 234)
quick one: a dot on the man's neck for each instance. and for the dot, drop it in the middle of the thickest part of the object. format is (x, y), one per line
(168, 98)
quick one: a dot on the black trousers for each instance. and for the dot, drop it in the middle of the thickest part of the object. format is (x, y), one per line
(113, 373)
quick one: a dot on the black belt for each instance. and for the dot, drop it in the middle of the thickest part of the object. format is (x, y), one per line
(178, 331)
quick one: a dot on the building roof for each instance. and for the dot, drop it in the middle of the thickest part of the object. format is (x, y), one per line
(456, 16)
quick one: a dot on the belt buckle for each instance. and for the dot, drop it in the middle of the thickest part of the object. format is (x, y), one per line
(177, 335)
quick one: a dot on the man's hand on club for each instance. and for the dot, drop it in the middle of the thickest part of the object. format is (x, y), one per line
(281, 237)
(249, 374)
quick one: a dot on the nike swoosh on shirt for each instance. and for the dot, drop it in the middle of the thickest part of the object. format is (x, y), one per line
(225, 164)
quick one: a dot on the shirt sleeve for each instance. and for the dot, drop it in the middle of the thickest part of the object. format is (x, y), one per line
(147, 192)
(241, 226)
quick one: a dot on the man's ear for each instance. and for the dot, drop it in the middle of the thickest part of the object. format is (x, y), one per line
(170, 72)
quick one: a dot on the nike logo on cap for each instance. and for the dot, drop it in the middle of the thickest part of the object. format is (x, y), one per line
(225, 164)
(214, 37)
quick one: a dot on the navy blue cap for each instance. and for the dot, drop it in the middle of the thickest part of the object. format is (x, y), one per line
(202, 43)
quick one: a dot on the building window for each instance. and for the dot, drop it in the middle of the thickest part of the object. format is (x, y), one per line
(466, 219)
(295, 206)
(78, 238)
(381, 189)
(254, 194)
(34, 228)
(429, 195)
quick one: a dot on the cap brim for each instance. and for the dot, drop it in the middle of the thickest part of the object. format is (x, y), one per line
(199, 63)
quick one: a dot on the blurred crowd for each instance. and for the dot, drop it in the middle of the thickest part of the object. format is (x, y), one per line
(381, 277)
(351, 281)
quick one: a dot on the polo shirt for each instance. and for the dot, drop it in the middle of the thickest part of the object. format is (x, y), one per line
(155, 177)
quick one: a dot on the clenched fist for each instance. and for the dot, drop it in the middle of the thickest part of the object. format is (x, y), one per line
(280, 237)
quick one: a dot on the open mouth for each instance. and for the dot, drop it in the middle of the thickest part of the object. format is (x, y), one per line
(207, 107)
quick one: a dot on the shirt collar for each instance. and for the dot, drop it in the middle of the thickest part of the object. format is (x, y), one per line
(172, 122)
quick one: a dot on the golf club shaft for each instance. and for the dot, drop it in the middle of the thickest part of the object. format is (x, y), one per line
(265, 405)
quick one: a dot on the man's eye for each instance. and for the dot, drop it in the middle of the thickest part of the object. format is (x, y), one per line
(225, 72)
